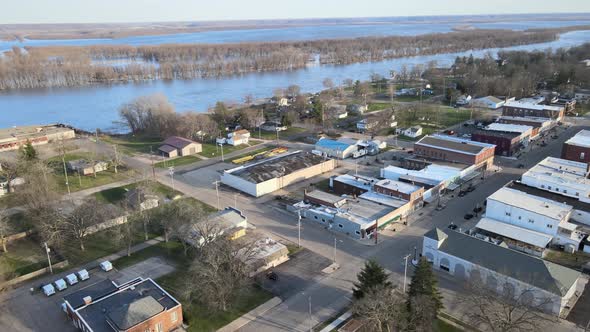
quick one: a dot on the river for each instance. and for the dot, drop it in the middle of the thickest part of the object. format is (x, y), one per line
(93, 107)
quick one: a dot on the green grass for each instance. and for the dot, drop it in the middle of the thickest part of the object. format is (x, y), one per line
(115, 195)
(83, 182)
(19, 222)
(442, 326)
(574, 261)
(411, 98)
(131, 145)
(271, 135)
(23, 256)
(199, 318)
(211, 150)
(372, 107)
(184, 160)
(267, 148)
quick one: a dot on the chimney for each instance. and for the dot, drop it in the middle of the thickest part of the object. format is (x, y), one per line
(87, 300)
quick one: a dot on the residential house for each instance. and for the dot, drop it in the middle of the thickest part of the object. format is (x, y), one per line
(139, 200)
(356, 108)
(9, 186)
(413, 132)
(272, 126)
(175, 146)
(238, 137)
(463, 100)
(87, 167)
(230, 222)
(502, 269)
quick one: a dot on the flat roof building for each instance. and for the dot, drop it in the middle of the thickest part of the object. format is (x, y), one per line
(399, 189)
(501, 269)
(455, 150)
(268, 175)
(577, 148)
(540, 125)
(13, 138)
(565, 177)
(348, 184)
(139, 305)
(526, 108)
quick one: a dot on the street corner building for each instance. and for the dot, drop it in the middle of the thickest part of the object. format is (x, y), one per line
(501, 269)
(455, 150)
(268, 175)
(136, 306)
(577, 148)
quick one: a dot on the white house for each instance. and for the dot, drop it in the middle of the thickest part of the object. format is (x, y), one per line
(238, 137)
(501, 269)
(490, 102)
(413, 132)
(463, 100)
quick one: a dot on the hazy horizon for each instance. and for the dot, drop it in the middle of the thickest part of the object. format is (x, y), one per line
(153, 11)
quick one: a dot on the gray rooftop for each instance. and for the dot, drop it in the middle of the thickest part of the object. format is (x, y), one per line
(95, 291)
(276, 167)
(129, 315)
(453, 144)
(542, 274)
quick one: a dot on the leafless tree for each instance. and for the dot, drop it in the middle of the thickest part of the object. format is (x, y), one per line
(328, 83)
(383, 309)
(293, 90)
(505, 311)
(188, 221)
(248, 99)
(76, 224)
(151, 115)
(218, 272)
(251, 118)
(5, 228)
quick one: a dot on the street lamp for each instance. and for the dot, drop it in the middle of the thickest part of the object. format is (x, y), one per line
(171, 172)
(299, 228)
(406, 270)
(221, 145)
(335, 240)
(47, 251)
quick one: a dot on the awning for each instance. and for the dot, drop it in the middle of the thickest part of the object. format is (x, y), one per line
(516, 233)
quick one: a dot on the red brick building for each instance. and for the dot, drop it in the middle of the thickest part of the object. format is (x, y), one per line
(136, 306)
(526, 109)
(577, 148)
(398, 189)
(506, 143)
(456, 150)
(539, 125)
(354, 185)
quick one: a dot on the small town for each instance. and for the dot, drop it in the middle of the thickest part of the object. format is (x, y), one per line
(433, 196)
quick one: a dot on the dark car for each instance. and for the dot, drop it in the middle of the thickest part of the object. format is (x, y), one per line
(462, 193)
(272, 276)
(468, 216)
(520, 165)
(452, 226)
(477, 209)
(470, 189)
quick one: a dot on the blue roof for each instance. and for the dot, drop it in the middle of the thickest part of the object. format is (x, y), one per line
(332, 144)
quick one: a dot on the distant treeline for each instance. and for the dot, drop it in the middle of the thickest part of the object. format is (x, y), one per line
(74, 66)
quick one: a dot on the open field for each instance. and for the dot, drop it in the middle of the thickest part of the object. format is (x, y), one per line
(184, 160)
(271, 135)
(115, 195)
(133, 144)
(211, 150)
(23, 256)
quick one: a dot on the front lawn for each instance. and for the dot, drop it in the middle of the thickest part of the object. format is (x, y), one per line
(184, 160)
(24, 256)
(172, 251)
(131, 145)
(372, 107)
(211, 150)
(271, 135)
(200, 318)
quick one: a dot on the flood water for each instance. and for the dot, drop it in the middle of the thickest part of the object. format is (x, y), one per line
(93, 107)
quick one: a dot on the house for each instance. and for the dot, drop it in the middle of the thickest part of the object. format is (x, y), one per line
(139, 200)
(9, 186)
(266, 254)
(490, 102)
(175, 146)
(356, 108)
(136, 306)
(272, 126)
(238, 137)
(577, 148)
(274, 173)
(87, 167)
(463, 100)
(501, 269)
(229, 221)
(529, 222)
(413, 132)
(454, 149)
(373, 121)
(15, 137)
(341, 149)
(283, 101)
(530, 107)
(582, 96)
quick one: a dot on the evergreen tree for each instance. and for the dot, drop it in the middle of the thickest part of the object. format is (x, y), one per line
(372, 275)
(28, 152)
(423, 293)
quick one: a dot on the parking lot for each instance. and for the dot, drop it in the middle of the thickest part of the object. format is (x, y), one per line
(23, 310)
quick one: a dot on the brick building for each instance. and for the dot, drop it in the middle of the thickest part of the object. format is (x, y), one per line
(540, 125)
(506, 143)
(526, 109)
(354, 185)
(577, 148)
(137, 306)
(399, 189)
(14, 138)
(455, 150)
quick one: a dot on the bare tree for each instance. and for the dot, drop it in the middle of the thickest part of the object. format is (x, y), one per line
(248, 99)
(5, 228)
(328, 83)
(126, 234)
(293, 90)
(189, 223)
(251, 118)
(382, 308)
(505, 311)
(149, 115)
(76, 225)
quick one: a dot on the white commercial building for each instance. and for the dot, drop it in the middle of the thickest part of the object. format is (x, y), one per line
(271, 174)
(561, 176)
(340, 149)
(490, 102)
(501, 269)
(537, 220)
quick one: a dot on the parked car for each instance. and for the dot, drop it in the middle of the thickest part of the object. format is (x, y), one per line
(83, 275)
(440, 207)
(468, 216)
(106, 266)
(452, 226)
(462, 193)
(72, 279)
(60, 284)
(272, 276)
(520, 165)
(470, 189)
(48, 289)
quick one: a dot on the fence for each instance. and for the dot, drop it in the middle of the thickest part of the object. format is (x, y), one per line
(32, 275)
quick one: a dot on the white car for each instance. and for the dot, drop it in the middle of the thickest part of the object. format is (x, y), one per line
(72, 279)
(60, 284)
(83, 275)
(48, 290)
(106, 266)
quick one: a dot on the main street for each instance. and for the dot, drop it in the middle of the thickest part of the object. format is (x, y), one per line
(331, 293)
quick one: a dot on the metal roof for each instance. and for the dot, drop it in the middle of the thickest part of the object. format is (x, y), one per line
(167, 148)
(534, 271)
(454, 144)
(536, 239)
(582, 138)
(333, 144)
(534, 204)
(178, 142)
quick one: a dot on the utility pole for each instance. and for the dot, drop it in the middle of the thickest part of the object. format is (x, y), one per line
(299, 228)
(116, 159)
(236, 201)
(334, 250)
(63, 159)
(152, 162)
(406, 271)
(376, 229)
(221, 145)
(217, 191)
(47, 250)
(171, 172)
(310, 317)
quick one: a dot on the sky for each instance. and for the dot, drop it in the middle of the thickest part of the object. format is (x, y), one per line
(97, 11)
